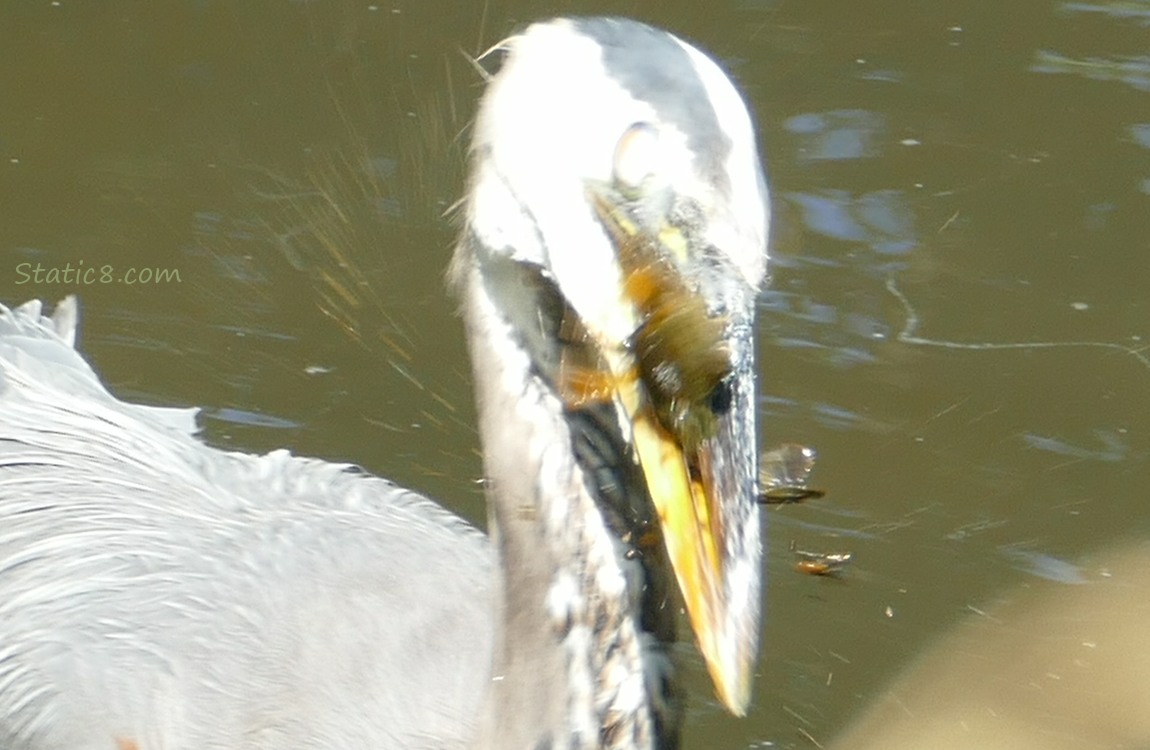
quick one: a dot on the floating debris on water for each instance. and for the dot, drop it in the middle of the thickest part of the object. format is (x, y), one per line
(820, 563)
(783, 474)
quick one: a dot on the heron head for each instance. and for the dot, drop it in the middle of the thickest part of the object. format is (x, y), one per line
(582, 103)
(618, 164)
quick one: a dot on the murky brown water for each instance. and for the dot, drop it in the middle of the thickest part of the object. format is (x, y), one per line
(950, 182)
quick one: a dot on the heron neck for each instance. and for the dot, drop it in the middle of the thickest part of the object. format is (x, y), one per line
(568, 664)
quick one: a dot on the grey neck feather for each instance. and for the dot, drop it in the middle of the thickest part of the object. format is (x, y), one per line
(568, 669)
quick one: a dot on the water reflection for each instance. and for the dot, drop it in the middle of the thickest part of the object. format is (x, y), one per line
(880, 219)
(1136, 10)
(1115, 450)
(1131, 70)
(838, 134)
(1042, 565)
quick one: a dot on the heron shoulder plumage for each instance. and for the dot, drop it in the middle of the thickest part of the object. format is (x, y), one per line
(161, 591)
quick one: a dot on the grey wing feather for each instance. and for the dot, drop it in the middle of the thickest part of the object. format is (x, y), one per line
(41, 347)
(159, 592)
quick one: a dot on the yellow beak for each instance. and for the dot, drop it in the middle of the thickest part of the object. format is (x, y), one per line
(693, 535)
(675, 436)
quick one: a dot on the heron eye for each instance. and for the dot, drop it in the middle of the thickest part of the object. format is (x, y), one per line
(722, 396)
(636, 155)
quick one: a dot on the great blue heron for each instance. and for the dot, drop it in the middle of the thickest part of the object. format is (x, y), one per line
(159, 594)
